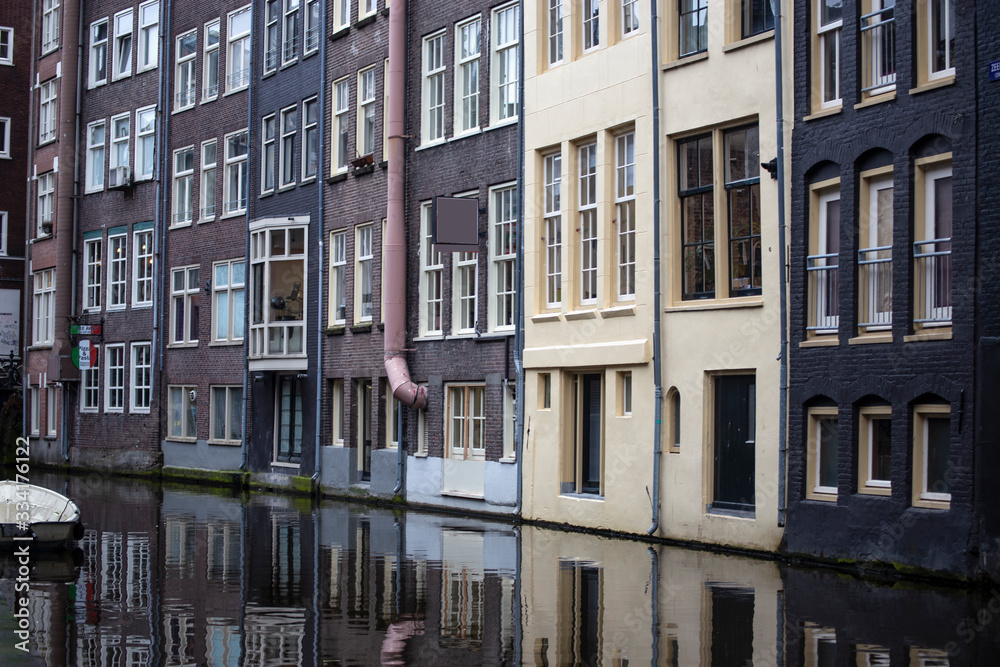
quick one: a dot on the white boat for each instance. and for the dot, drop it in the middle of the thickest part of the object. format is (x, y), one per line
(53, 519)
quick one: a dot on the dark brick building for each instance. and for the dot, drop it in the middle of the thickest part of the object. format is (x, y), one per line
(882, 446)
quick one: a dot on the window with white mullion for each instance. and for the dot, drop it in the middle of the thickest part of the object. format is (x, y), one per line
(46, 198)
(555, 31)
(6, 46)
(209, 157)
(290, 32)
(366, 8)
(431, 279)
(149, 42)
(271, 45)
(364, 272)
(98, 53)
(591, 24)
(829, 20)
(95, 156)
(120, 134)
(341, 14)
(118, 261)
(145, 142)
(187, 84)
(267, 155)
(625, 213)
(114, 383)
(210, 62)
(630, 17)
(185, 289)
(227, 411)
(183, 185)
(142, 269)
(553, 230)
(228, 301)
(43, 307)
(434, 88)
(92, 274)
(47, 111)
(465, 283)
(91, 383)
(289, 126)
(366, 111)
(312, 26)
(467, 67)
(505, 59)
(941, 38)
(122, 55)
(341, 129)
(503, 214)
(587, 212)
(235, 184)
(338, 278)
(238, 61)
(142, 377)
(50, 25)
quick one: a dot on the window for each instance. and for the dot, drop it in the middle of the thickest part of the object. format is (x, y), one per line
(273, 11)
(98, 53)
(932, 456)
(553, 229)
(935, 39)
(4, 138)
(267, 155)
(342, 92)
(142, 271)
(278, 269)
(46, 197)
(122, 59)
(50, 25)
(36, 415)
(337, 396)
(431, 279)
(338, 278)
(228, 301)
(312, 26)
(503, 248)
(545, 391)
(674, 423)
(878, 46)
(366, 8)
(142, 377)
(310, 139)
(44, 307)
(743, 204)
(3, 233)
(238, 62)
(505, 41)
(758, 17)
(145, 143)
(290, 32)
(209, 157)
(693, 27)
(932, 244)
(236, 173)
(95, 156)
(392, 407)
(363, 272)
(114, 381)
(630, 17)
(467, 70)
(822, 263)
(433, 106)
(120, 133)
(183, 186)
(187, 84)
(826, 53)
(149, 42)
(227, 412)
(47, 111)
(92, 274)
(341, 14)
(821, 455)
(183, 410)
(366, 110)
(288, 419)
(697, 217)
(735, 448)
(591, 12)
(117, 258)
(289, 125)
(624, 393)
(587, 213)
(555, 31)
(210, 62)
(875, 450)
(185, 294)
(91, 383)
(466, 422)
(464, 288)
(51, 412)
(583, 471)
(875, 255)
(6, 46)
(625, 213)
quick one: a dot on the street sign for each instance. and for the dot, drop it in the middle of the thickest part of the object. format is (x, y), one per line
(85, 329)
(995, 70)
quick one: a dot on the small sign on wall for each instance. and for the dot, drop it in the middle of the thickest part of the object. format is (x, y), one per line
(10, 309)
(995, 70)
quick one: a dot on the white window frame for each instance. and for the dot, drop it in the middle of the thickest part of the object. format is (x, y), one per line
(145, 141)
(591, 25)
(230, 419)
(121, 66)
(554, 21)
(51, 411)
(337, 396)
(268, 134)
(312, 26)
(947, 29)
(140, 378)
(866, 484)
(3, 233)
(503, 257)
(43, 307)
(868, 241)
(337, 315)
(364, 272)
(630, 18)
(48, 94)
(366, 8)
(117, 271)
(291, 27)
(239, 164)
(266, 326)
(814, 456)
(504, 60)
(98, 53)
(5, 138)
(831, 30)
(310, 138)
(90, 383)
(587, 217)
(340, 126)
(465, 303)
(366, 111)
(35, 417)
(188, 395)
(6, 46)
(190, 287)
(341, 15)
(467, 75)
(238, 42)
(114, 378)
(286, 146)
(46, 199)
(624, 393)
(922, 496)
(142, 268)
(272, 46)
(432, 108)
(233, 290)
(625, 215)
(92, 278)
(552, 211)
(186, 95)
(118, 142)
(932, 282)
(50, 25)
(210, 61)
(462, 425)
(431, 278)
(207, 195)
(183, 187)
(95, 156)
(149, 41)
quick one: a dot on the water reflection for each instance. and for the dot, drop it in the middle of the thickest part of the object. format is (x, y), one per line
(183, 576)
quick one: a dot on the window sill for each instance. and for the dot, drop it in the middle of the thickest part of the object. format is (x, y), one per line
(582, 496)
(717, 304)
(747, 41)
(870, 339)
(928, 335)
(821, 497)
(508, 460)
(825, 341)
(335, 330)
(933, 85)
(183, 441)
(86, 192)
(340, 33)
(459, 494)
(234, 214)
(202, 221)
(493, 337)
(225, 343)
(420, 455)
(686, 60)
(876, 99)
(617, 311)
(337, 178)
(366, 20)
(932, 504)
(580, 315)
(430, 144)
(40, 346)
(501, 123)
(206, 100)
(282, 464)
(825, 113)
(467, 133)
(181, 346)
(461, 335)
(177, 111)
(141, 306)
(361, 327)
(286, 187)
(884, 491)
(429, 337)
(546, 317)
(225, 443)
(180, 225)
(745, 515)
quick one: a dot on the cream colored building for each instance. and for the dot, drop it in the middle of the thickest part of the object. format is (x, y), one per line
(588, 263)
(589, 394)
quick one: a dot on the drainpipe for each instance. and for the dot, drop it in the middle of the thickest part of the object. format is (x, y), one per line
(319, 223)
(657, 389)
(394, 342)
(251, 89)
(518, 272)
(29, 284)
(400, 453)
(783, 281)
(159, 238)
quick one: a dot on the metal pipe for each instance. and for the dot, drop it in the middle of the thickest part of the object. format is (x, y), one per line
(400, 451)
(394, 269)
(657, 388)
(519, 274)
(319, 272)
(246, 267)
(783, 281)
(29, 284)
(160, 210)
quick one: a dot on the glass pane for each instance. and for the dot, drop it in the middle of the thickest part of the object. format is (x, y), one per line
(938, 452)
(881, 452)
(218, 413)
(830, 11)
(235, 413)
(827, 440)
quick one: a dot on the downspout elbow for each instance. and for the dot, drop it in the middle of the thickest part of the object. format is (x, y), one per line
(404, 389)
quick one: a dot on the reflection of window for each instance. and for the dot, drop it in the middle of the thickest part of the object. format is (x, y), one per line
(463, 597)
(183, 412)
(277, 291)
(228, 306)
(114, 383)
(580, 601)
(932, 245)
(142, 271)
(503, 243)
(932, 456)
(822, 264)
(185, 294)
(466, 425)
(820, 646)
(226, 410)
(732, 626)
(142, 377)
(338, 277)
(431, 277)
(552, 186)
(875, 254)
(821, 456)
(875, 450)
(869, 655)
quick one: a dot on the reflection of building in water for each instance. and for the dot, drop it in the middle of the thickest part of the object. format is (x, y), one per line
(274, 636)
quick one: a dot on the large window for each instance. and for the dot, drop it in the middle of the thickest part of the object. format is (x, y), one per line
(338, 278)
(210, 62)
(935, 39)
(503, 248)
(932, 243)
(271, 45)
(47, 111)
(43, 307)
(826, 53)
(98, 53)
(630, 17)
(228, 301)
(625, 213)
(186, 85)
(366, 110)
(591, 14)
(431, 279)
(46, 198)
(118, 261)
(821, 456)
(467, 76)
(209, 160)
(466, 422)
(693, 27)
(183, 186)
(552, 186)
(822, 263)
(341, 127)
(120, 134)
(878, 46)
(503, 98)
(149, 43)
(289, 126)
(227, 415)
(142, 377)
(433, 105)
(587, 222)
(145, 143)
(95, 156)
(185, 294)
(758, 17)
(743, 204)
(278, 269)
(312, 29)
(932, 456)
(235, 194)
(875, 450)
(92, 275)
(182, 407)
(555, 25)
(142, 271)
(267, 154)
(122, 56)
(6, 46)
(50, 25)
(114, 381)
(310, 139)
(464, 289)
(875, 253)
(238, 62)
(697, 217)
(290, 31)
(363, 272)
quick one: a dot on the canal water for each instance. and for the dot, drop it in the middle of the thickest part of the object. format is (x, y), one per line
(184, 575)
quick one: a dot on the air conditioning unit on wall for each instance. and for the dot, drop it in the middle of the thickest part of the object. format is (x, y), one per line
(119, 178)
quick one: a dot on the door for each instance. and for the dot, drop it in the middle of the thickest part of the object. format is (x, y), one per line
(289, 427)
(589, 431)
(734, 442)
(365, 429)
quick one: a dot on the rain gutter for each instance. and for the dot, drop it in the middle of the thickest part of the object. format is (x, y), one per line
(783, 280)
(519, 274)
(319, 222)
(657, 389)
